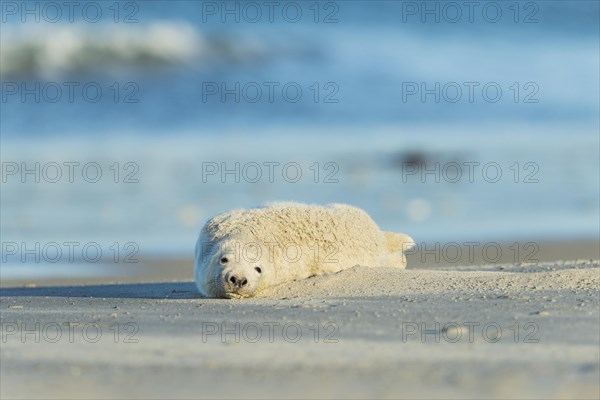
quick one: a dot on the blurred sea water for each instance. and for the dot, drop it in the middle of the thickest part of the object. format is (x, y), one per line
(361, 132)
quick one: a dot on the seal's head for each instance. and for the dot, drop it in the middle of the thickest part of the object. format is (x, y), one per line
(221, 271)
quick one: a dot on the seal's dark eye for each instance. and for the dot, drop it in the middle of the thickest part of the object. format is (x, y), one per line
(224, 260)
(257, 269)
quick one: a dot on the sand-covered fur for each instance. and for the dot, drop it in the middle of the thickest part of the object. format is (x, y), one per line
(241, 252)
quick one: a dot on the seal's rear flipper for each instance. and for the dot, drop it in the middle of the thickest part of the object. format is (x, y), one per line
(398, 242)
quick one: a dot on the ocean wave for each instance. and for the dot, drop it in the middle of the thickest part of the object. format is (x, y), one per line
(48, 51)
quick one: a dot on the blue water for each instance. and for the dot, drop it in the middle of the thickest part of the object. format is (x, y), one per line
(361, 117)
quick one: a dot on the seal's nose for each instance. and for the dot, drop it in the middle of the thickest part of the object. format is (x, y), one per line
(237, 281)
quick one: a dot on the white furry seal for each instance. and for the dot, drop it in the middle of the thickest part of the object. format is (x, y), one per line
(241, 252)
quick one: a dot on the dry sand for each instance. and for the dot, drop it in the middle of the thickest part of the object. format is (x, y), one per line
(495, 331)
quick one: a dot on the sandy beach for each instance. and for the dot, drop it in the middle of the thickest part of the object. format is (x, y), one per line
(517, 330)
(137, 137)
